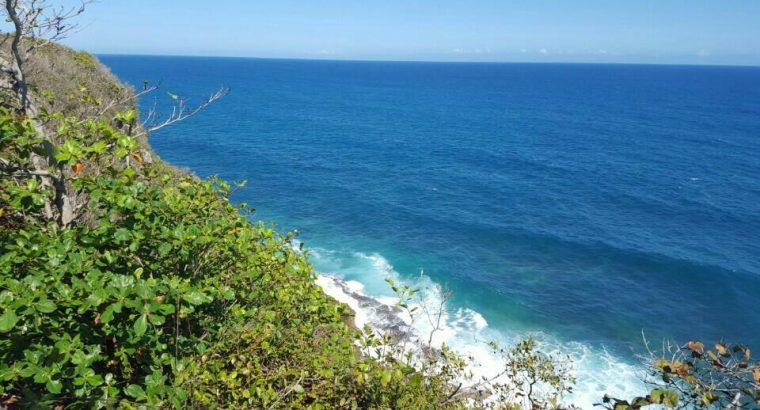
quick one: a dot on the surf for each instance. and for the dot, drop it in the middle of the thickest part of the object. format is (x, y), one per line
(360, 280)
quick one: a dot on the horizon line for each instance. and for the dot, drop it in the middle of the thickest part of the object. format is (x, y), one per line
(359, 60)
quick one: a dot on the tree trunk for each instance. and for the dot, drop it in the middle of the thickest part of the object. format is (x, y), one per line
(59, 208)
(18, 79)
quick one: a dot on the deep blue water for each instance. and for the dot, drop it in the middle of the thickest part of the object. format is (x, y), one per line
(586, 202)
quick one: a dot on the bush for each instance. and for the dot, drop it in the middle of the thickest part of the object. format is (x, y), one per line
(118, 309)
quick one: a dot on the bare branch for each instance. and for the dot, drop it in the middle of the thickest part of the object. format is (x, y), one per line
(34, 22)
(130, 97)
(181, 112)
(43, 22)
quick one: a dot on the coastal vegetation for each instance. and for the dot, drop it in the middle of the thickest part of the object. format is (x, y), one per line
(126, 283)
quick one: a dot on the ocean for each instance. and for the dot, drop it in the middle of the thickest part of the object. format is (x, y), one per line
(585, 204)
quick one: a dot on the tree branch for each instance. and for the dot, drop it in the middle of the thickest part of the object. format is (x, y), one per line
(181, 112)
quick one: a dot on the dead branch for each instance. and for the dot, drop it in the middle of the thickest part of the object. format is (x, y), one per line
(181, 111)
(43, 22)
(129, 98)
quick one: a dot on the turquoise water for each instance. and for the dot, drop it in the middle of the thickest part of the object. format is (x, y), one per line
(585, 203)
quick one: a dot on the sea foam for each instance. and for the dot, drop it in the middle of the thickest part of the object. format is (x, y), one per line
(359, 280)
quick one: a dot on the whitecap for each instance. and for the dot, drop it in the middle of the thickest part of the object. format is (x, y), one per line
(597, 371)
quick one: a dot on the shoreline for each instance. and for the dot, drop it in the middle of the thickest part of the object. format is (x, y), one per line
(597, 371)
(350, 293)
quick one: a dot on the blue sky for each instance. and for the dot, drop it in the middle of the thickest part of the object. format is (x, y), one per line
(653, 31)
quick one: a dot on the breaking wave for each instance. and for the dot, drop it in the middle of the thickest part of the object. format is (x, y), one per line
(359, 280)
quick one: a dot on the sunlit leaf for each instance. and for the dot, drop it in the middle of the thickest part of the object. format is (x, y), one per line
(141, 325)
(8, 320)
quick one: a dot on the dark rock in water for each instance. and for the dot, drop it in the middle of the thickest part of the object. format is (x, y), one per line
(382, 317)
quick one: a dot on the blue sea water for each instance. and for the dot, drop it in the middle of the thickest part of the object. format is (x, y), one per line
(585, 203)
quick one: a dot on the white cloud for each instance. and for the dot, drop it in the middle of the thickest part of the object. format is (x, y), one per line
(457, 51)
(703, 53)
(543, 51)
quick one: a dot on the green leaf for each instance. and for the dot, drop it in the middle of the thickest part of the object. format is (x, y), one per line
(195, 297)
(99, 147)
(107, 316)
(166, 309)
(164, 249)
(667, 398)
(121, 235)
(45, 306)
(639, 402)
(385, 377)
(54, 386)
(713, 357)
(7, 321)
(228, 294)
(670, 399)
(95, 380)
(135, 391)
(157, 320)
(416, 380)
(141, 325)
(298, 389)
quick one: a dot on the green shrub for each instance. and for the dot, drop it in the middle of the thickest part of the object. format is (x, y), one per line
(85, 60)
(119, 308)
(165, 295)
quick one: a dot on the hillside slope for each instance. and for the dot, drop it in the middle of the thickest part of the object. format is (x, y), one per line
(159, 292)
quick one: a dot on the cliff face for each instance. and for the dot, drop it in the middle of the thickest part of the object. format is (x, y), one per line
(57, 76)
